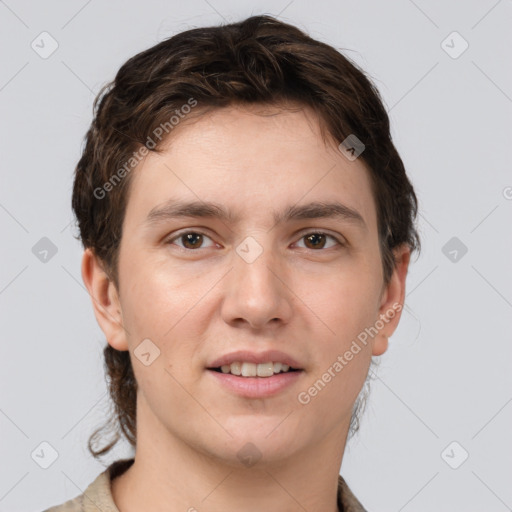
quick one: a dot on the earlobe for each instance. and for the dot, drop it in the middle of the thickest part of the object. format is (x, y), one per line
(105, 300)
(380, 345)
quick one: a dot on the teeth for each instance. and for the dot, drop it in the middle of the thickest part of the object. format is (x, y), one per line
(236, 368)
(253, 370)
(249, 370)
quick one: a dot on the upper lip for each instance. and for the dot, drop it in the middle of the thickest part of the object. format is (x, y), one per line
(275, 356)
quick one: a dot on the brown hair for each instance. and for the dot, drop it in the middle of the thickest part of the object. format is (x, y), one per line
(259, 60)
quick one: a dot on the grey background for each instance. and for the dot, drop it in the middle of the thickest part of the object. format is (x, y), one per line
(446, 376)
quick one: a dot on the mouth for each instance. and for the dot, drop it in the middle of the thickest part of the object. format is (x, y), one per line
(248, 370)
(250, 380)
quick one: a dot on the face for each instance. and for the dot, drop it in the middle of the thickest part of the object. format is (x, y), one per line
(197, 288)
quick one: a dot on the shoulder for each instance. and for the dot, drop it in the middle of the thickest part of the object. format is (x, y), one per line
(98, 495)
(73, 505)
(347, 502)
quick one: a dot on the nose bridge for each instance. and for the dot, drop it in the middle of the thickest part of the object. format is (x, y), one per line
(256, 292)
(253, 262)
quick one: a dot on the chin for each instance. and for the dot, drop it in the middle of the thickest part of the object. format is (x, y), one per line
(270, 442)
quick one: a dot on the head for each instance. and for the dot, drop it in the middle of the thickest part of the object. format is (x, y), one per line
(249, 116)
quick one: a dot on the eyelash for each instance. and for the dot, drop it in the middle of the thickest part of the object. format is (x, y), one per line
(198, 232)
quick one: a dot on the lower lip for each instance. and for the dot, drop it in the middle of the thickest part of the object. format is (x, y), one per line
(256, 387)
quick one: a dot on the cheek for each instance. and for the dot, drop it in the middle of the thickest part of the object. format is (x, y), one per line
(337, 379)
(347, 308)
(345, 301)
(165, 312)
(156, 298)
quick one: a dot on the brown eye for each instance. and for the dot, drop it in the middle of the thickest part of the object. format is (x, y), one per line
(316, 241)
(192, 240)
(189, 240)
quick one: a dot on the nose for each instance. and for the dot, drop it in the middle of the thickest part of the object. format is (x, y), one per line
(257, 293)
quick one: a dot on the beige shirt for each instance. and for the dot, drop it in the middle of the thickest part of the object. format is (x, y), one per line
(98, 496)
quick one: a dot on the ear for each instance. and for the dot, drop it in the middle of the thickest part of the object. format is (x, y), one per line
(392, 301)
(105, 300)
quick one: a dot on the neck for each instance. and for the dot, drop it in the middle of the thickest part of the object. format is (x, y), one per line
(169, 474)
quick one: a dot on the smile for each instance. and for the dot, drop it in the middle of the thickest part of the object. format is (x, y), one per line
(246, 369)
(255, 386)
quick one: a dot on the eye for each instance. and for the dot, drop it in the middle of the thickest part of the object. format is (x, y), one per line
(191, 239)
(317, 240)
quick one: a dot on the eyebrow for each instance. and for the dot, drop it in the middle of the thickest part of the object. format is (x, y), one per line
(173, 209)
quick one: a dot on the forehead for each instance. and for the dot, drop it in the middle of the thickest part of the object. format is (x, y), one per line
(255, 161)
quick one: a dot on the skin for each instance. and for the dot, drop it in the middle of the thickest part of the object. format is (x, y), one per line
(197, 304)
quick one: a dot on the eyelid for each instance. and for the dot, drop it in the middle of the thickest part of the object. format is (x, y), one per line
(178, 234)
(320, 231)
